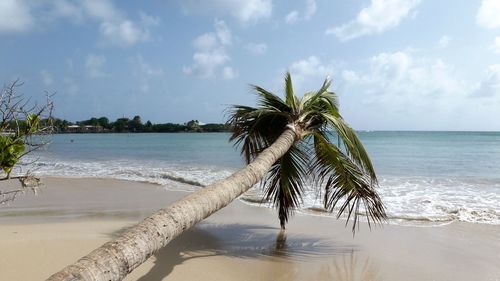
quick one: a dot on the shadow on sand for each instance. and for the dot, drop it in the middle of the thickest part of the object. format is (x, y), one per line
(241, 241)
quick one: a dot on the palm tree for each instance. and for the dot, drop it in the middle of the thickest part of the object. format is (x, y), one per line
(285, 143)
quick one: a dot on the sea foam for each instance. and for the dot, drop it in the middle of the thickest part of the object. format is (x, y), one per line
(408, 200)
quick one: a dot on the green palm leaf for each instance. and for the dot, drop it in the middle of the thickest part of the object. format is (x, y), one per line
(271, 101)
(290, 98)
(311, 98)
(285, 182)
(255, 129)
(352, 144)
(345, 180)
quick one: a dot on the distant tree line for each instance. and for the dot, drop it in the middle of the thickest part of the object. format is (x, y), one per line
(134, 125)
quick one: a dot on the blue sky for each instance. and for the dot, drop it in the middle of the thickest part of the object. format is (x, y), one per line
(396, 64)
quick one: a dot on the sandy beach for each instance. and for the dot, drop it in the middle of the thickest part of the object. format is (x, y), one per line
(70, 217)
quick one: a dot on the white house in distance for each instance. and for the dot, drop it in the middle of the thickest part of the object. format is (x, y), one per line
(83, 129)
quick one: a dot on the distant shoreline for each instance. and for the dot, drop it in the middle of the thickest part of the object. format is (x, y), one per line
(134, 125)
(127, 132)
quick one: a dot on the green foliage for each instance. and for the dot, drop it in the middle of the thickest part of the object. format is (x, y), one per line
(21, 127)
(344, 172)
(125, 125)
(11, 149)
(193, 126)
(212, 127)
(104, 122)
(135, 125)
(120, 125)
(12, 144)
(285, 182)
(32, 124)
(334, 168)
(168, 128)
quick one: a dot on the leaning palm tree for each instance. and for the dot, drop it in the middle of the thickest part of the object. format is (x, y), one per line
(286, 143)
(344, 170)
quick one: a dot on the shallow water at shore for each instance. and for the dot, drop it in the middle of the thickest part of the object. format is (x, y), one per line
(435, 177)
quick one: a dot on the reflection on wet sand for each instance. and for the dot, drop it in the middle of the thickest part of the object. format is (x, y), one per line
(350, 267)
(277, 256)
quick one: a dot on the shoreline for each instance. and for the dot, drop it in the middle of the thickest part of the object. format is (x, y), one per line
(239, 242)
(251, 198)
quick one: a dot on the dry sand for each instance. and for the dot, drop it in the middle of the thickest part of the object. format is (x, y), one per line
(70, 217)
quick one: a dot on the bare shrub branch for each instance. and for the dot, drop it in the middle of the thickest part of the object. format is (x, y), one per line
(24, 127)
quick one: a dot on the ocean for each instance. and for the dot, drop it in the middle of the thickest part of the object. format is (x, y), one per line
(425, 178)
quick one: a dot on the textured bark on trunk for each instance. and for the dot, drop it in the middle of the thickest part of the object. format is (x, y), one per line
(115, 259)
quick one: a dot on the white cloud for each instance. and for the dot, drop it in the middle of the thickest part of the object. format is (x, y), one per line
(122, 33)
(243, 10)
(496, 45)
(206, 63)
(148, 20)
(308, 72)
(47, 78)
(223, 32)
(103, 9)
(292, 17)
(403, 73)
(211, 57)
(221, 36)
(229, 73)
(205, 41)
(66, 9)
(256, 48)
(94, 64)
(444, 41)
(378, 17)
(15, 16)
(350, 76)
(402, 90)
(311, 66)
(488, 14)
(490, 85)
(145, 72)
(310, 10)
(400, 81)
(114, 27)
(252, 10)
(147, 69)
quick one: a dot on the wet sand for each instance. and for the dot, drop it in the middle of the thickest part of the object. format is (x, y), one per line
(41, 234)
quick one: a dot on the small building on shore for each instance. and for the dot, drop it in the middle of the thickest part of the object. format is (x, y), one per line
(83, 129)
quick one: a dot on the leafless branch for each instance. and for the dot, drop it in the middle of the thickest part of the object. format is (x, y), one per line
(24, 128)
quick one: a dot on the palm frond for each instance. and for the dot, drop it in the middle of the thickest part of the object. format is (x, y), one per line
(345, 180)
(290, 98)
(314, 117)
(270, 101)
(353, 145)
(255, 129)
(310, 98)
(285, 181)
(331, 99)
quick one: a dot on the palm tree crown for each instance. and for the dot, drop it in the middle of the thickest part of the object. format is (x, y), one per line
(343, 170)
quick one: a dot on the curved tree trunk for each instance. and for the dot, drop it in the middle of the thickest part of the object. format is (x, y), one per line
(115, 259)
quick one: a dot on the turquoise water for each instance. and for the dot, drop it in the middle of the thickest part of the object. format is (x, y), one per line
(424, 176)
